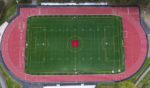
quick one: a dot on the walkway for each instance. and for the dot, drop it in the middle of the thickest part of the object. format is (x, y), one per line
(143, 75)
(2, 82)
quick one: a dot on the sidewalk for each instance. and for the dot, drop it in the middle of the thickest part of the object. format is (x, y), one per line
(145, 20)
(142, 76)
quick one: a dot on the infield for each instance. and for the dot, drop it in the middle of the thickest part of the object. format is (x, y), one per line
(89, 44)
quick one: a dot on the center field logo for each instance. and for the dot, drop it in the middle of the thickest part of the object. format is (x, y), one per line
(75, 44)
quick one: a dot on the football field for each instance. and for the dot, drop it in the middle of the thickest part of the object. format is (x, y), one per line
(78, 44)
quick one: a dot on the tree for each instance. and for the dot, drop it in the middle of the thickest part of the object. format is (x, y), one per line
(1, 7)
(25, 1)
(145, 3)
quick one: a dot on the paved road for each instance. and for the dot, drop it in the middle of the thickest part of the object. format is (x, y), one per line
(2, 82)
(34, 2)
(6, 1)
(146, 28)
(143, 75)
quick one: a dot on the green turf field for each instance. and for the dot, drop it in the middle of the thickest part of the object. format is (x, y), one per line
(61, 45)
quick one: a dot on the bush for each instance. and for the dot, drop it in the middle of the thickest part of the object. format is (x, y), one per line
(145, 3)
(25, 1)
(1, 7)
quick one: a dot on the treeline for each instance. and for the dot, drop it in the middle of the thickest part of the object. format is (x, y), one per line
(1, 8)
(145, 3)
(25, 1)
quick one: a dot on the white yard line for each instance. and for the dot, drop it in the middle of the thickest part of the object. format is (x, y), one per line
(128, 11)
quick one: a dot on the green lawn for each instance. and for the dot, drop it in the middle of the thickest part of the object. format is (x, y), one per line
(74, 45)
(9, 11)
(145, 83)
(10, 83)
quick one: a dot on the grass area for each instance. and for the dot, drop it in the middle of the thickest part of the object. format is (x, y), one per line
(1, 7)
(139, 73)
(145, 83)
(9, 81)
(9, 11)
(124, 84)
(89, 45)
(105, 85)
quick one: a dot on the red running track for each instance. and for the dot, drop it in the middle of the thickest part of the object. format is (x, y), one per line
(135, 43)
